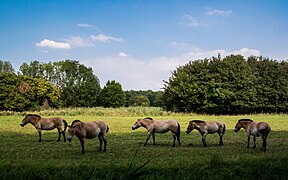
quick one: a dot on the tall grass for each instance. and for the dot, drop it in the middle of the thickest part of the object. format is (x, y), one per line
(97, 111)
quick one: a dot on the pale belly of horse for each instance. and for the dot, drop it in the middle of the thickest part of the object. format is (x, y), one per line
(91, 135)
(161, 130)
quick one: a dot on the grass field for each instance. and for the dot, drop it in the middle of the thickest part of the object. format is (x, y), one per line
(23, 157)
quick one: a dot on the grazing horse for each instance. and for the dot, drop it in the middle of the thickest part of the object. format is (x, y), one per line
(255, 129)
(88, 130)
(157, 126)
(206, 128)
(46, 124)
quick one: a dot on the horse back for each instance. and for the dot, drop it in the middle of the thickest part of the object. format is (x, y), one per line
(51, 123)
(162, 126)
(216, 126)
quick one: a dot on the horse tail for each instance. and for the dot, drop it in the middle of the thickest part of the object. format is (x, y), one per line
(65, 124)
(107, 129)
(224, 128)
(178, 130)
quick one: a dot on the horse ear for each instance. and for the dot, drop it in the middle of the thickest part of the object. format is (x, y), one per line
(74, 125)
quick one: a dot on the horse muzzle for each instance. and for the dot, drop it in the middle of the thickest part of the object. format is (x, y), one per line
(69, 139)
(22, 125)
(187, 132)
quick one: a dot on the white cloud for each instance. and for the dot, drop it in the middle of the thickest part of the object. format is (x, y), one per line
(190, 21)
(145, 74)
(105, 38)
(77, 41)
(85, 25)
(53, 44)
(122, 54)
(218, 12)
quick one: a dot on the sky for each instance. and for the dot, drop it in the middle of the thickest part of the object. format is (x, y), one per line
(138, 43)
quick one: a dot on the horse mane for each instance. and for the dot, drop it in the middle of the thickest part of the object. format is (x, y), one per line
(198, 121)
(148, 118)
(75, 121)
(34, 115)
(240, 120)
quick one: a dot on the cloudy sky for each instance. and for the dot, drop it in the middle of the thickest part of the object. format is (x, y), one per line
(139, 42)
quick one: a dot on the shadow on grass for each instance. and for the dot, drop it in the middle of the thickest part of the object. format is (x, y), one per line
(22, 157)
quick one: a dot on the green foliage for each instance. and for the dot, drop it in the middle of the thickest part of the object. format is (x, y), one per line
(112, 95)
(143, 98)
(21, 93)
(228, 86)
(79, 86)
(6, 66)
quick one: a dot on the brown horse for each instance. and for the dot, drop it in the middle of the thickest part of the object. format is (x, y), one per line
(255, 129)
(157, 126)
(46, 124)
(206, 128)
(88, 130)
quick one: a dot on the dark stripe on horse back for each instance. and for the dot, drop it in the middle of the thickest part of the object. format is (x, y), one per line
(245, 120)
(33, 115)
(198, 121)
(148, 118)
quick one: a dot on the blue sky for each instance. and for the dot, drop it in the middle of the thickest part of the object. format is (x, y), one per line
(139, 42)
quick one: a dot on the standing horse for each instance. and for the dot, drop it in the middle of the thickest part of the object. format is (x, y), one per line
(206, 128)
(156, 126)
(46, 124)
(88, 130)
(255, 129)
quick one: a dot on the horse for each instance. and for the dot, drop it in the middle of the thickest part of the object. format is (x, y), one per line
(88, 130)
(255, 129)
(157, 126)
(206, 128)
(46, 124)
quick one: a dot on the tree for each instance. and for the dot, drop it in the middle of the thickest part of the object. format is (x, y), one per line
(5, 67)
(140, 100)
(112, 95)
(78, 85)
(231, 85)
(21, 93)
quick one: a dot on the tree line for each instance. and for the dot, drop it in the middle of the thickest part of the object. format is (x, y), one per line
(232, 85)
(62, 84)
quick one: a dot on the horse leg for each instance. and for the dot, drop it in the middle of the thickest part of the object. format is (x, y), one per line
(148, 137)
(221, 140)
(100, 140)
(59, 135)
(82, 144)
(39, 132)
(263, 143)
(254, 140)
(248, 141)
(153, 137)
(178, 138)
(174, 139)
(105, 142)
(63, 132)
(204, 139)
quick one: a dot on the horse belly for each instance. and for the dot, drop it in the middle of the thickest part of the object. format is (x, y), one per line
(163, 129)
(255, 132)
(92, 134)
(47, 127)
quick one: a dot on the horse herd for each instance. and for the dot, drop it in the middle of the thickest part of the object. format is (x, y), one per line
(90, 130)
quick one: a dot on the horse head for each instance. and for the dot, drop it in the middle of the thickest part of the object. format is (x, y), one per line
(137, 124)
(27, 119)
(242, 123)
(190, 127)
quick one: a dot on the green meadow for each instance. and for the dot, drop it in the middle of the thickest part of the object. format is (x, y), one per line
(23, 157)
